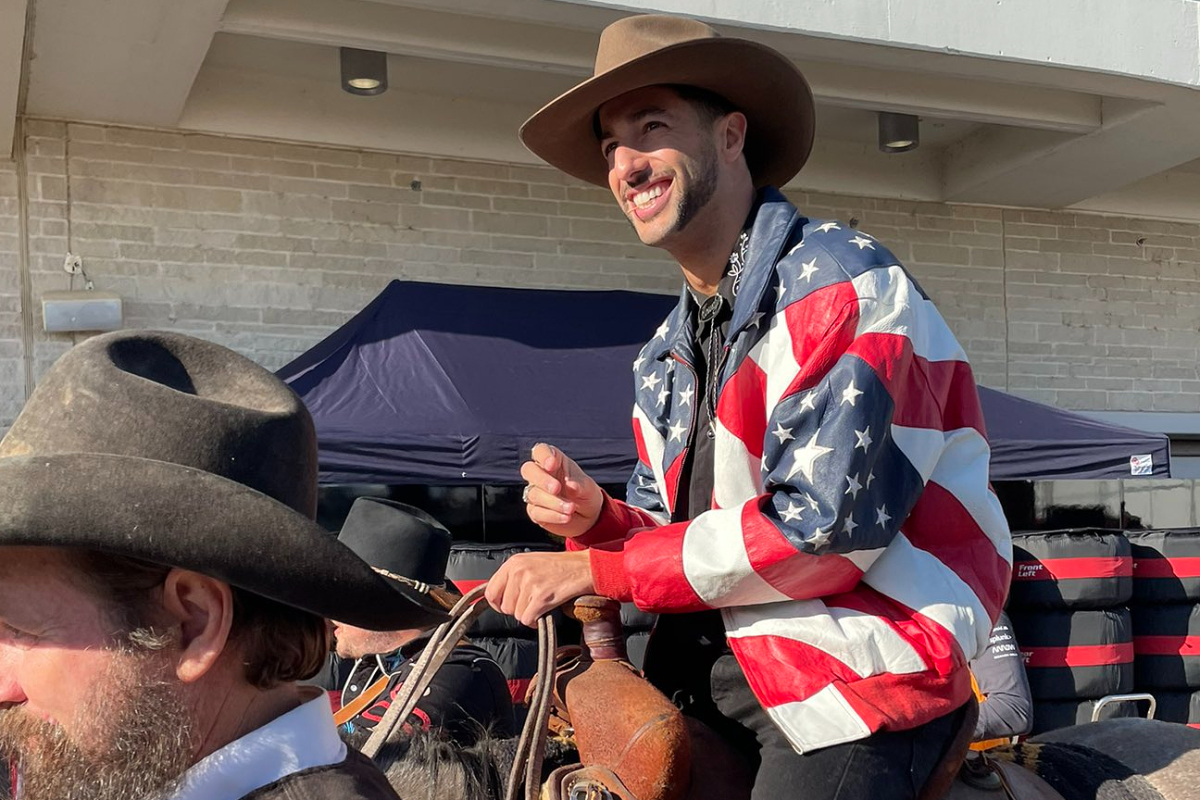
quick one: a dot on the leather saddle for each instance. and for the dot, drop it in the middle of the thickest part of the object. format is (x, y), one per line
(634, 744)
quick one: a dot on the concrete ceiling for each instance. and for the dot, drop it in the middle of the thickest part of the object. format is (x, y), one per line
(12, 39)
(464, 73)
(132, 61)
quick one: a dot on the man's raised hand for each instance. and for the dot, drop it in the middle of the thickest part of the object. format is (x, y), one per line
(560, 496)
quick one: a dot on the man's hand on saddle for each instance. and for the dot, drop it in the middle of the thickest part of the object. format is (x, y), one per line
(530, 585)
(560, 496)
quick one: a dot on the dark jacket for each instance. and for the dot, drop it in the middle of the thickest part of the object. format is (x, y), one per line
(468, 694)
(356, 778)
(999, 672)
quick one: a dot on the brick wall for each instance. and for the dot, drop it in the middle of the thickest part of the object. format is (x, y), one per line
(266, 247)
(12, 371)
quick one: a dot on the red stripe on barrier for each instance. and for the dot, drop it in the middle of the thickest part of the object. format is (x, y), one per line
(517, 687)
(1065, 569)
(465, 586)
(1188, 567)
(1083, 655)
(1188, 646)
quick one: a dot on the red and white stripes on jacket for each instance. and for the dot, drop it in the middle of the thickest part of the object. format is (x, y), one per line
(854, 545)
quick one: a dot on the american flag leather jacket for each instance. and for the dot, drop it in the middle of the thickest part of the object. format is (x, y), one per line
(854, 546)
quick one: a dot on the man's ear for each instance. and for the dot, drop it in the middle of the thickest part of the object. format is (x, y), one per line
(733, 135)
(202, 609)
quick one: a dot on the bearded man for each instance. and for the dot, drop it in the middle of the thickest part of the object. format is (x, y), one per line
(163, 584)
(810, 514)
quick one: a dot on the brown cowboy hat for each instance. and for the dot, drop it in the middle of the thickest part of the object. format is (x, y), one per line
(175, 450)
(653, 50)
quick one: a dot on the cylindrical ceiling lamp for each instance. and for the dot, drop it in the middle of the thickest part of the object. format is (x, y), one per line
(898, 133)
(364, 71)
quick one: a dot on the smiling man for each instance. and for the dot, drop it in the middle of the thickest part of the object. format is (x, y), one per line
(163, 584)
(810, 514)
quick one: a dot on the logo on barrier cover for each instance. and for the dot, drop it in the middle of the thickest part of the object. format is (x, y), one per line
(1029, 571)
(1141, 465)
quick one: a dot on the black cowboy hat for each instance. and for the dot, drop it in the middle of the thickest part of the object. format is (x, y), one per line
(403, 544)
(174, 450)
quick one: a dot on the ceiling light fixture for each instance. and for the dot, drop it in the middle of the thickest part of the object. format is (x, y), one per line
(364, 72)
(898, 133)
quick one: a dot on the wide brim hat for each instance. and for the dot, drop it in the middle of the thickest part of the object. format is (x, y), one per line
(404, 544)
(652, 50)
(178, 451)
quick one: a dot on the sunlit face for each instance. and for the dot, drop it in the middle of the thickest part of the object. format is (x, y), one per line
(662, 162)
(355, 642)
(80, 716)
(54, 639)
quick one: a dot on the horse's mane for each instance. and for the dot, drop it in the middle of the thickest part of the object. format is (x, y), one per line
(427, 765)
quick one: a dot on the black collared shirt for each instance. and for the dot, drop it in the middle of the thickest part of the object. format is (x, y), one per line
(712, 317)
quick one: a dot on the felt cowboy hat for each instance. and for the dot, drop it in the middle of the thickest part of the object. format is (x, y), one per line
(653, 50)
(174, 450)
(403, 544)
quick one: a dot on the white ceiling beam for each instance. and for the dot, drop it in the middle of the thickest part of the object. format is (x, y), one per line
(236, 94)
(12, 49)
(1174, 194)
(849, 168)
(1152, 39)
(414, 31)
(525, 45)
(837, 32)
(949, 96)
(1049, 170)
(132, 62)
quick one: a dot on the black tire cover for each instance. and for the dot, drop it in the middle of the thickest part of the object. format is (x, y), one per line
(1182, 707)
(1049, 715)
(1071, 569)
(1076, 654)
(1166, 641)
(1166, 566)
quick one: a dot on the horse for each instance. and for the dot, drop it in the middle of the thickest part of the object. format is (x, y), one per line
(619, 739)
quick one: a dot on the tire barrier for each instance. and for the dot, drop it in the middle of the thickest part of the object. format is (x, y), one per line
(1166, 643)
(1071, 569)
(637, 624)
(1049, 715)
(1166, 566)
(518, 658)
(1183, 707)
(1076, 655)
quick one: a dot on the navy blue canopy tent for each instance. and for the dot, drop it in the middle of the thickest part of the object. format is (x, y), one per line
(1032, 441)
(438, 384)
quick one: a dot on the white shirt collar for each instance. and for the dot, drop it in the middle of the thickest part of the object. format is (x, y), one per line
(303, 738)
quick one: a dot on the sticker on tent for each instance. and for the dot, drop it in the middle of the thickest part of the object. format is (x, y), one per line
(1141, 465)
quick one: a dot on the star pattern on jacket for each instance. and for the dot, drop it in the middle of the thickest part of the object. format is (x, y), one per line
(830, 351)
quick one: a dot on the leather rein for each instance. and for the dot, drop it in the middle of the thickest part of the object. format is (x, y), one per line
(527, 766)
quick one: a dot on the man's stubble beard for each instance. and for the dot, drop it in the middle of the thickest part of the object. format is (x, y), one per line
(701, 186)
(367, 643)
(139, 739)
